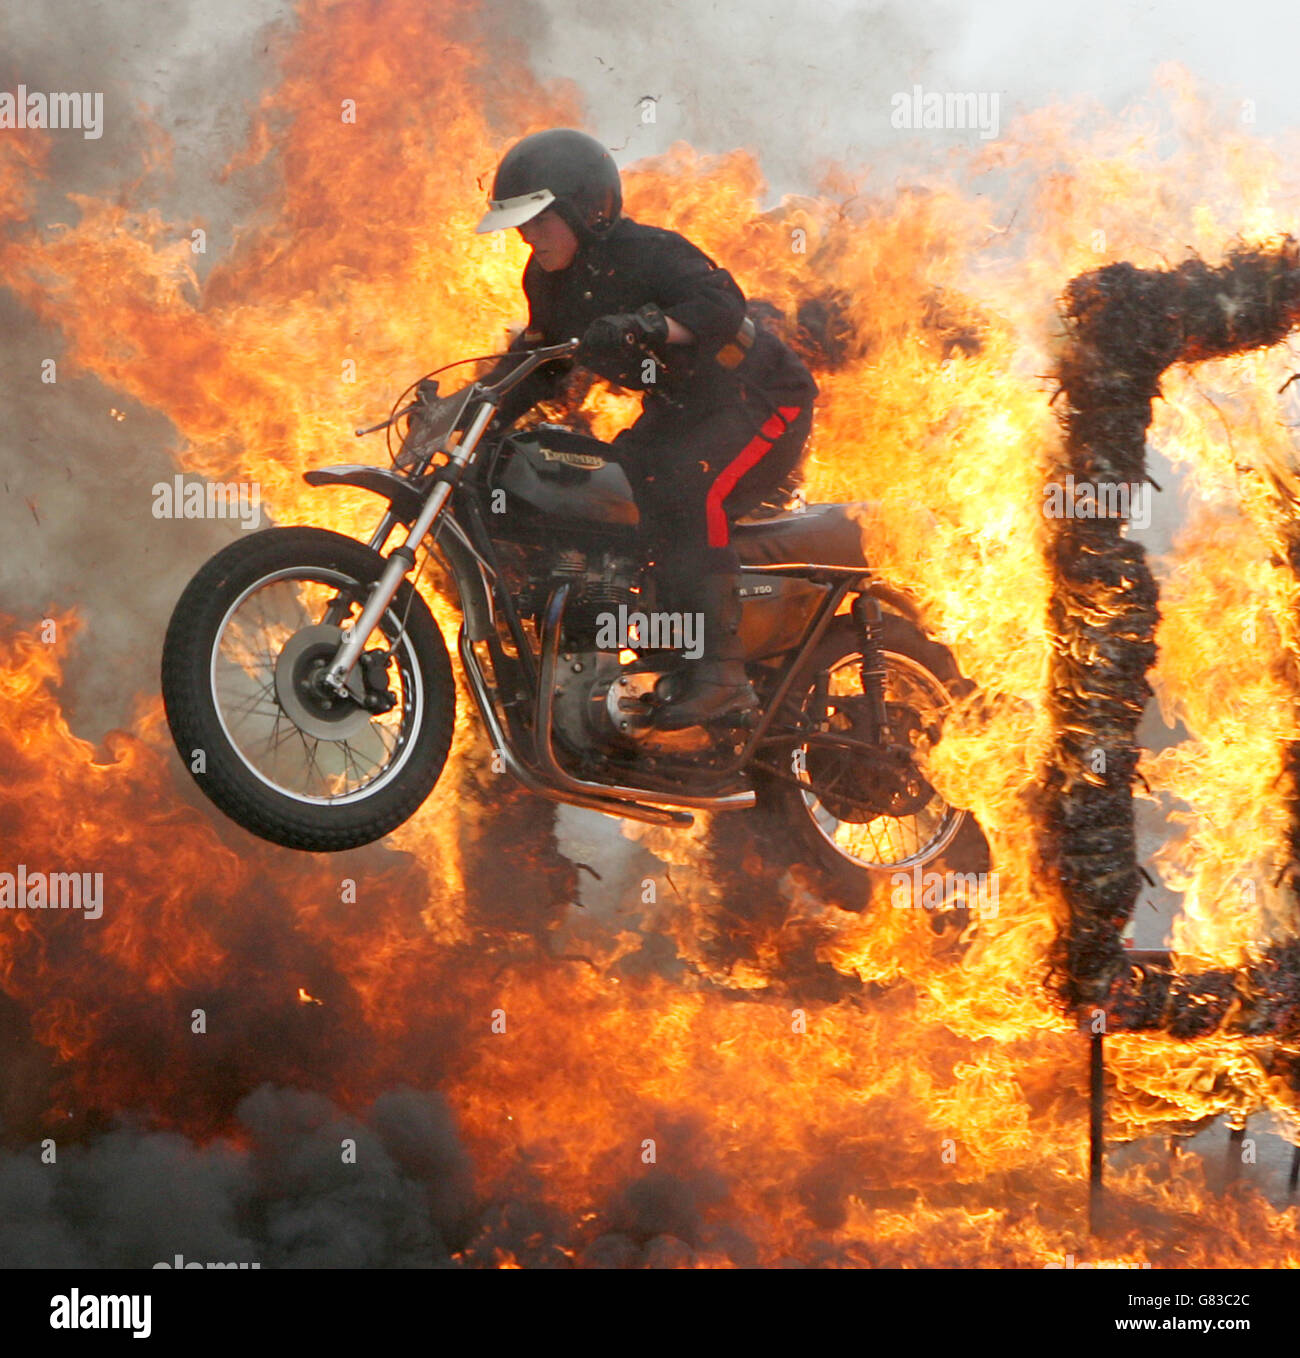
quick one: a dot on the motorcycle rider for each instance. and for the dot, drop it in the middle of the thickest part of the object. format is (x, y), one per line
(727, 406)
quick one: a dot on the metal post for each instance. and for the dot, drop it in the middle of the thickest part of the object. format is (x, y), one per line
(1232, 1167)
(1294, 1177)
(1096, 1131)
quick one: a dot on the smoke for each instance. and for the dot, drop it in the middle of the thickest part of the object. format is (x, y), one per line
(805, 86)
(722, 77)
(303, 1185)
(307, 1186)
(179, 83)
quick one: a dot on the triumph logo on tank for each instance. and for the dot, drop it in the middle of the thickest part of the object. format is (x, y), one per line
(624, 631)
(587, 460)
(199, 499)
(23, 890)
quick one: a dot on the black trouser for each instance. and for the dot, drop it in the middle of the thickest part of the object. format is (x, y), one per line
(693, 472)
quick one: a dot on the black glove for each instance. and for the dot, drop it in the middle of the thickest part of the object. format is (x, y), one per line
(625, 335)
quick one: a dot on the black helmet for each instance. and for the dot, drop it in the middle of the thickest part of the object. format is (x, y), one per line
(560, 168)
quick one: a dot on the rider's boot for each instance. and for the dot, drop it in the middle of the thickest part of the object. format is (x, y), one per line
(715, 685)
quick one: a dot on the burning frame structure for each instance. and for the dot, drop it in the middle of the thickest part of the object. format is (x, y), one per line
(1125, 326)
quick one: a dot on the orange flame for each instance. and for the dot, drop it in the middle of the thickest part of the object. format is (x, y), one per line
(927, 1104)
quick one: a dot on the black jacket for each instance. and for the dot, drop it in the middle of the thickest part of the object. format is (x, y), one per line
(630, 266)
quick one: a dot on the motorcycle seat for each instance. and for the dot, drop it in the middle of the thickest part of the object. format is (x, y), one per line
(821, 535)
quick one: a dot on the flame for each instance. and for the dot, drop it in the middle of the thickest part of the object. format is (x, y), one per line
(800, 1082)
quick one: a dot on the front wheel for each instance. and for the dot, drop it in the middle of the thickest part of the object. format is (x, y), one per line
(860, 828)
(270, 745)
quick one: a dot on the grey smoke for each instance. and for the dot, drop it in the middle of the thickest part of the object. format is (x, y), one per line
(133, 1198)
(804, 84)
(75, 506)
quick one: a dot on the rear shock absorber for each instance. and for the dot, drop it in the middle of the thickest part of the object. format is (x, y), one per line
(871, 625)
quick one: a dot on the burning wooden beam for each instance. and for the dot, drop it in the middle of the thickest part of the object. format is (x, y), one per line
(1125, 327)
(1261, 1000)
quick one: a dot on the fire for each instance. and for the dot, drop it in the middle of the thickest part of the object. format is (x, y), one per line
(1231, 605)
(724, 1058)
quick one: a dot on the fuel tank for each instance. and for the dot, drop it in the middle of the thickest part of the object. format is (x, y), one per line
(567, 478)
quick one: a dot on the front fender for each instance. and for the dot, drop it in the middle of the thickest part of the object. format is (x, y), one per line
(405, 499)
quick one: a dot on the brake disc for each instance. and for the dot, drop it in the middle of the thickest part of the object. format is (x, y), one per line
(310, 706)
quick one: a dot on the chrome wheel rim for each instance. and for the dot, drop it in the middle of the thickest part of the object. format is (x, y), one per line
(306, 767)
(887, 843)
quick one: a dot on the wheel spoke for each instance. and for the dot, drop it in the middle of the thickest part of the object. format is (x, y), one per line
(337, 753)
(881, 841)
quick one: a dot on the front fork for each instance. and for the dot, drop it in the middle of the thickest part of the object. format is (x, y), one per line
(401, 559)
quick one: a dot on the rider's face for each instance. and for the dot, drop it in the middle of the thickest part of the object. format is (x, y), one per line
(554, 244)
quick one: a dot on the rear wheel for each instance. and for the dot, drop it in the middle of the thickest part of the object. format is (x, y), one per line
(862, 824)
(266, 741)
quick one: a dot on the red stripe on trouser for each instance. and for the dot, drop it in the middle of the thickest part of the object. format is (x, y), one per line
(749, 457)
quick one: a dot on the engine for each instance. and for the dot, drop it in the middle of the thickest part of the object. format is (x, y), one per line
(601, 701)
(599, 588)
(604, 697)
(599, 584)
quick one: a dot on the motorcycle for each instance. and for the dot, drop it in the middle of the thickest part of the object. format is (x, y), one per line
(310, 692)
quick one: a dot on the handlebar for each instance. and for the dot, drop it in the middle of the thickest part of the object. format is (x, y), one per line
(534, 358)
(530, 361)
